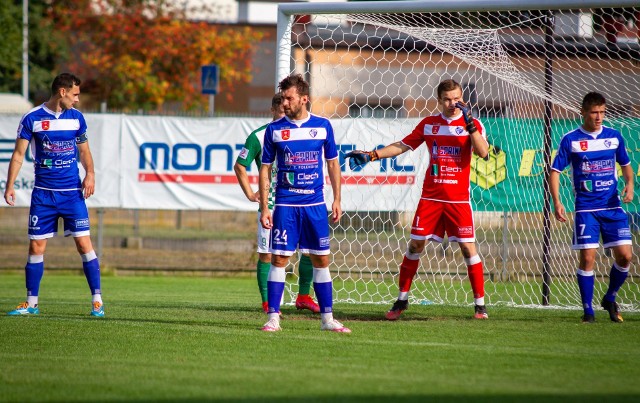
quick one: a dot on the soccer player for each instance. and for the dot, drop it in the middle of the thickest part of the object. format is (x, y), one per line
(450, 136)
(298, 143)
(592, 150)
(252, 151)
(57, 133)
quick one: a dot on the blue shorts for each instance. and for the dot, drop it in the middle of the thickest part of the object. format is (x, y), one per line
(612, 224)
(301, 227)
(49, 205)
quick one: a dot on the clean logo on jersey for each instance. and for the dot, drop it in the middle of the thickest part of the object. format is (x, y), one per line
(299, 133)
(594, 145)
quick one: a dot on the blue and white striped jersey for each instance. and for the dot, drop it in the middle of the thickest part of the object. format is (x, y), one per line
(299, 151)
(593, 158)
(53, 138)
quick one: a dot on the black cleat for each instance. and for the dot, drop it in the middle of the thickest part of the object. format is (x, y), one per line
(481, 312)
(587, 318)
(614, 312)
(396, 310)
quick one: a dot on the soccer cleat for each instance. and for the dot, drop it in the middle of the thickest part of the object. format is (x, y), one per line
(97, 310)
(265, 307)
(335, 326)
(481, 312)
(396, 310)
(612, 308)
(588, 318)
(24, 309)
(273, 325)
(306, 302)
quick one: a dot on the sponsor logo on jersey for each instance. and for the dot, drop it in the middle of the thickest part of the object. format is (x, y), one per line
(598, 166)
(584, 145)
(313, 133)
(289, 178)
(286, 134)
(586, 186)
(46, 163)
(45, 125)
(449, 151)
(301, 157)
(82, 223)
(58, 147)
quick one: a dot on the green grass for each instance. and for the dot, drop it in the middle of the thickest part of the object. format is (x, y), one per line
(198, 339)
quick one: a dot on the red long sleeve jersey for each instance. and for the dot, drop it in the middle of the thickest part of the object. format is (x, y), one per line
(449, 145)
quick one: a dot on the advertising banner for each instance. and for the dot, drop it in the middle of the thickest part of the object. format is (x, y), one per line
(154, 162)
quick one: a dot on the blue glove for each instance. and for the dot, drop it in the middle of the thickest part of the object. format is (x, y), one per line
(360, 158)
(468, 117)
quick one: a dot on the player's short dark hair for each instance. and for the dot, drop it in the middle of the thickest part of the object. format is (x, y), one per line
(295, 80)
(593, 99)
(446, 86)
(276, 101)
(64, 80)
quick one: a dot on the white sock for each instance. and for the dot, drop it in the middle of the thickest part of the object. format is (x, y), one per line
(326, 317)
(32, 300)
(479, 301)
(96, 298)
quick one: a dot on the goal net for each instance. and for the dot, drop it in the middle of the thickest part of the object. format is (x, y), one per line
(373, 69)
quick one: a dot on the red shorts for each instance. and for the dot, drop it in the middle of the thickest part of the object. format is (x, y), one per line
(434, 218)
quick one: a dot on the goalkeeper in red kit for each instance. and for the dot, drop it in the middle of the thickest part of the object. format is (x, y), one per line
(450, 136)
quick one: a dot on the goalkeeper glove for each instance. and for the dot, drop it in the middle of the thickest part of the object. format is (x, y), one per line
(468, 117)
(361, 158)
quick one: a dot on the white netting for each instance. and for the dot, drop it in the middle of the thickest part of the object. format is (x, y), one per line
(375, 75)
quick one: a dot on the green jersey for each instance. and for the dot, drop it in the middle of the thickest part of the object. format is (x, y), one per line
(252, 151)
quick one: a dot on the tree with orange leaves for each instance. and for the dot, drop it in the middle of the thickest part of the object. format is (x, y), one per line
(140, 54)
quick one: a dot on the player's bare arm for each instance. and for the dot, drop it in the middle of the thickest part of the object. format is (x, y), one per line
(360, 158)
(627, 191)
(554, 188)
(14, 167)
(333, 169)
(86, 159)
(243, 181)
(264, 186)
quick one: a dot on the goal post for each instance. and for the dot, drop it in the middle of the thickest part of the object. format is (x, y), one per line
(524, 67)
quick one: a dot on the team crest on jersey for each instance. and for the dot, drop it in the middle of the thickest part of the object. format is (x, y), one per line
(584, 145)
(286, 134)
(459, 130)
(435, 129)
(313, 133)
(45, 125)
(607, 143)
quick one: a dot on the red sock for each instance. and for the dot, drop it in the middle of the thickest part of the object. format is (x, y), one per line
(408, 270)
(476, 277)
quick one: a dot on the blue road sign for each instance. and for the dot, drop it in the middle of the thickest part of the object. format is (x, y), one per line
(210, 79)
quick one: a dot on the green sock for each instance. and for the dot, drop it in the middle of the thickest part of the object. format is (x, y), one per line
(305, 271)
(263, 276)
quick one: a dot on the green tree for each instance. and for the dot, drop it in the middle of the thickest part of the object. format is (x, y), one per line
(142, 53)
(42, 51)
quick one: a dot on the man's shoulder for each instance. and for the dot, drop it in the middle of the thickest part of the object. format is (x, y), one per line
(317, 120)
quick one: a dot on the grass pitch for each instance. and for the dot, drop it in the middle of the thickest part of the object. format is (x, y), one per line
(198, 339)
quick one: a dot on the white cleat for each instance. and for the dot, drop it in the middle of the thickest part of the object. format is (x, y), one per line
(273, 325)
(335, 326)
